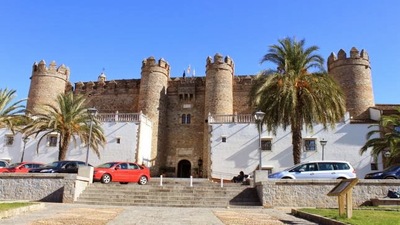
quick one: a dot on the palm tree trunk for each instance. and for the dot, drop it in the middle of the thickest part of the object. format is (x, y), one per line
(297, 143)
(64, 143)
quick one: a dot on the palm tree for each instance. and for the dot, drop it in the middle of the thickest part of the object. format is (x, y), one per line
(386, 138)
(11, 113)
(298, 93)
(70, 119)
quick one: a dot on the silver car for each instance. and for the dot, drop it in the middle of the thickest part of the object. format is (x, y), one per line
(317, 170)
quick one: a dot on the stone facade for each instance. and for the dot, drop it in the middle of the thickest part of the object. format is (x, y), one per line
(179, 107)
(46, 82)
(354, 75)
(313, 193)
(38, 187)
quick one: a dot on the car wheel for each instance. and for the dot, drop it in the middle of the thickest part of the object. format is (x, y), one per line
(341, 178)
(390, 177)
(143, 180)
(106, 178)
(286, 178)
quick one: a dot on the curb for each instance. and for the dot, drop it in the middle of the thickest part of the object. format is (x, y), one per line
(17, 211)
(315, 218)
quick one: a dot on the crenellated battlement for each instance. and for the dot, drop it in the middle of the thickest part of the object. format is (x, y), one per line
(219, 61)
(356, 57)
(108, 86)
(151, 62)
(41, 69)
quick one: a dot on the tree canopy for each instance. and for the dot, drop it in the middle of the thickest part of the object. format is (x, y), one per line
(298, 92)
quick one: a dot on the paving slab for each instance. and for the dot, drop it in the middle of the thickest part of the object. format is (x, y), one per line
(81, 214)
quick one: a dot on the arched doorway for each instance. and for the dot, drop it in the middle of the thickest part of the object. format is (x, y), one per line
(184, 168)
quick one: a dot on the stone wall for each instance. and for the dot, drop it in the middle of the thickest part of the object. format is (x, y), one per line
(38, 187)
(313, 193)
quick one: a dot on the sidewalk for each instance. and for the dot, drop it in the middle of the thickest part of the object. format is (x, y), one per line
(78, 214)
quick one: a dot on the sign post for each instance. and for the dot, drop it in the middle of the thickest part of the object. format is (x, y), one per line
(343, 191)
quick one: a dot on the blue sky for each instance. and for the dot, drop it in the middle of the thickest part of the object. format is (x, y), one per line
(88, 36)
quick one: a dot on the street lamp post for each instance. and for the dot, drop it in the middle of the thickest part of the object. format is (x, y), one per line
(259, 117)
(323, 143)
(92, 112)
(25, 140)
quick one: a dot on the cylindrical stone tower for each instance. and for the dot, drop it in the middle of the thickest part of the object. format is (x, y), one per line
(218, 97)
(353, 74)
(46, 85)
(152, 101)
(219, 86)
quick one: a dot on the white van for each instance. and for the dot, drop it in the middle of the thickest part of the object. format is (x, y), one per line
(317, 170)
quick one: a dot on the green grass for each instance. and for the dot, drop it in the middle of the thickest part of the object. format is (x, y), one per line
(370, 215)
(13, 205)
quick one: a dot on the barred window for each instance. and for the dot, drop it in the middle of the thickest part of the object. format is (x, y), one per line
(52, 140)
(266, 144)
(9, 139)
(310, 145)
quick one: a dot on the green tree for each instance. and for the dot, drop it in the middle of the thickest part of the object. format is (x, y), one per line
(299, 92)
(70, 119)
(385, 138)
(11, 113)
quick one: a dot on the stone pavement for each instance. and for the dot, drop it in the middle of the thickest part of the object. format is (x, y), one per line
(79, 214)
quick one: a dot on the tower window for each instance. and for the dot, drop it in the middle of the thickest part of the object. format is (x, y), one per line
(186, 118)
(223, 139)
(118, 140)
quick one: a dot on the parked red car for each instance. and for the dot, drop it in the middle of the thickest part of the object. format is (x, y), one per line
(22, 167)
(123, 172)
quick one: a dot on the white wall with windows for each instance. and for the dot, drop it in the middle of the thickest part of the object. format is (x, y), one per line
(122, 145)
(234, 148)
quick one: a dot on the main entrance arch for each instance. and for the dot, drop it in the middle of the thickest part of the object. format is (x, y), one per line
(184, 168)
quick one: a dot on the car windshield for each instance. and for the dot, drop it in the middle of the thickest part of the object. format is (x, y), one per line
(14, 165)
(107, 165)
(53, 164)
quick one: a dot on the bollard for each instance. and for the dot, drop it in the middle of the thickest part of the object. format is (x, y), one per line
(160, 180)
(191, 181)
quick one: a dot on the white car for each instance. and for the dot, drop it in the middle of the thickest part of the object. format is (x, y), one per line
(317, 170)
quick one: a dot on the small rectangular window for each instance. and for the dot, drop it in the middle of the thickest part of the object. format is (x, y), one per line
(310, 145)
(223, 139)
(118, 140)
(9, 140)
(52, 140)
(266, 144)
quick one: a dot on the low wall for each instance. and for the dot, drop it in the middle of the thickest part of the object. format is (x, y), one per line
(313, 193)
(38, 187)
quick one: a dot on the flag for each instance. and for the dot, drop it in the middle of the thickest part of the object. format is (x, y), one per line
(184, 73)
(188, 69)
(193, 74)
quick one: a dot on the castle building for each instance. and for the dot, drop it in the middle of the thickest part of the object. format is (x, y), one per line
(204, 126)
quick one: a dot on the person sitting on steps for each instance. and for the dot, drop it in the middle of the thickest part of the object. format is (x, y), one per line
(239, 178)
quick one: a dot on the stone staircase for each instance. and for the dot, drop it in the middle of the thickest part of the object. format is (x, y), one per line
(174, 192)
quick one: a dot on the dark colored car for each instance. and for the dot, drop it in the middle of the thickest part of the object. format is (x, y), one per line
(66, 166)
(392, 172)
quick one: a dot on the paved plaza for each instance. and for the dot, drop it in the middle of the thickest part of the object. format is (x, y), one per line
(79, 214)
